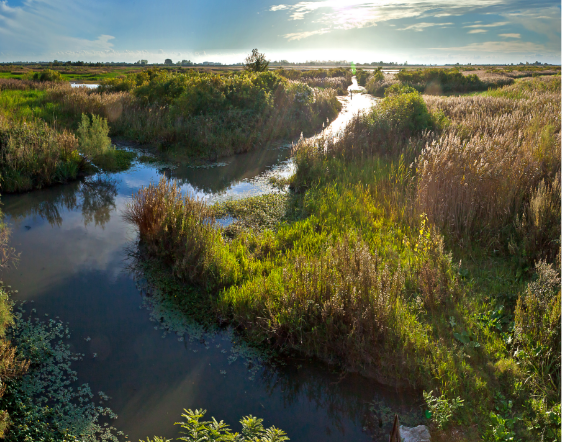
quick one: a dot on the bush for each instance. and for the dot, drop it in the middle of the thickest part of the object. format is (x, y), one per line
(406, 110)
(252, 430)
(441, 408)
(93, 135)
(43, 76)
(398, 88)
(361, 76)
(377, 84)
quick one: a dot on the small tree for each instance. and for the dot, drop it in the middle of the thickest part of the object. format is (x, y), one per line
(256, 62)
(168, 61)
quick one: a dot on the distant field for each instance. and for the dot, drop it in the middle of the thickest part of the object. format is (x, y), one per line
(87, 74)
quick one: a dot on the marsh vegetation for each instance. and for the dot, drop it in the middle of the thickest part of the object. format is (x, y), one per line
(420, 247)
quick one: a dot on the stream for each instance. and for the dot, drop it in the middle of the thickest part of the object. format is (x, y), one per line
(75, 263)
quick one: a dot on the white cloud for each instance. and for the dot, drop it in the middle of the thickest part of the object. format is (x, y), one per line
(301, 35)
(38, 28)
(477, 31)
(499, 47)
(421, 26)
(544, 21)
(365, 13)
(489, 25)
(510, 35)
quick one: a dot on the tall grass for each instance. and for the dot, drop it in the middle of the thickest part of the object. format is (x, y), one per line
(34, 155)
(479, 179)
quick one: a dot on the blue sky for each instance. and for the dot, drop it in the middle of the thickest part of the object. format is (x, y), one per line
(426, 31)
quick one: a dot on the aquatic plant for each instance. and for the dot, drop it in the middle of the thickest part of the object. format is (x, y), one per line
(43, 404)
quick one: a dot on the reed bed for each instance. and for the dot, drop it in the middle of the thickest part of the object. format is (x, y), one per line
(481, 175)
(34, 155)
(8, 84)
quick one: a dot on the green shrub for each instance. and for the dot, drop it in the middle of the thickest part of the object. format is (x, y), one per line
(500, 429)
(253, 430)
(441, 409)
(406, 111)
(45, 75)
(398, 88)
(93, 135)
(362, 76)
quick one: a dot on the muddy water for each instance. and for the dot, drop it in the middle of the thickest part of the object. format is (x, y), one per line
(74, 264)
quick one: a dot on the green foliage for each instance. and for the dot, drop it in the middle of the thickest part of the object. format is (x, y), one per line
(406, 110)
(362, 76)
(214, 115)
(441, 409)
(500, 429)
(196, 430)
(378, 75)
(93, 135)
(537, 331)
(398, 88)
(256, 62)
(45, 75)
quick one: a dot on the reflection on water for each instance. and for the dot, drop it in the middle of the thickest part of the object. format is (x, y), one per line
(246, 173)
(150, 360)
(94, 197)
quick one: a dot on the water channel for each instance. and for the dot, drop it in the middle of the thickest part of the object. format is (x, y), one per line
(74, 264)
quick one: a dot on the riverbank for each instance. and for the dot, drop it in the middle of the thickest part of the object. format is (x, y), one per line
(360, 272)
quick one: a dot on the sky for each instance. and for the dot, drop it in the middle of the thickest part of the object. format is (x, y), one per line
(413, 31)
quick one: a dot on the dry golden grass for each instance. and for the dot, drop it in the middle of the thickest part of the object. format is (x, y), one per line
(479, 174)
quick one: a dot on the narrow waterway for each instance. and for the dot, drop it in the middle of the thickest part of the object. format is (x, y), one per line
(74, 265)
